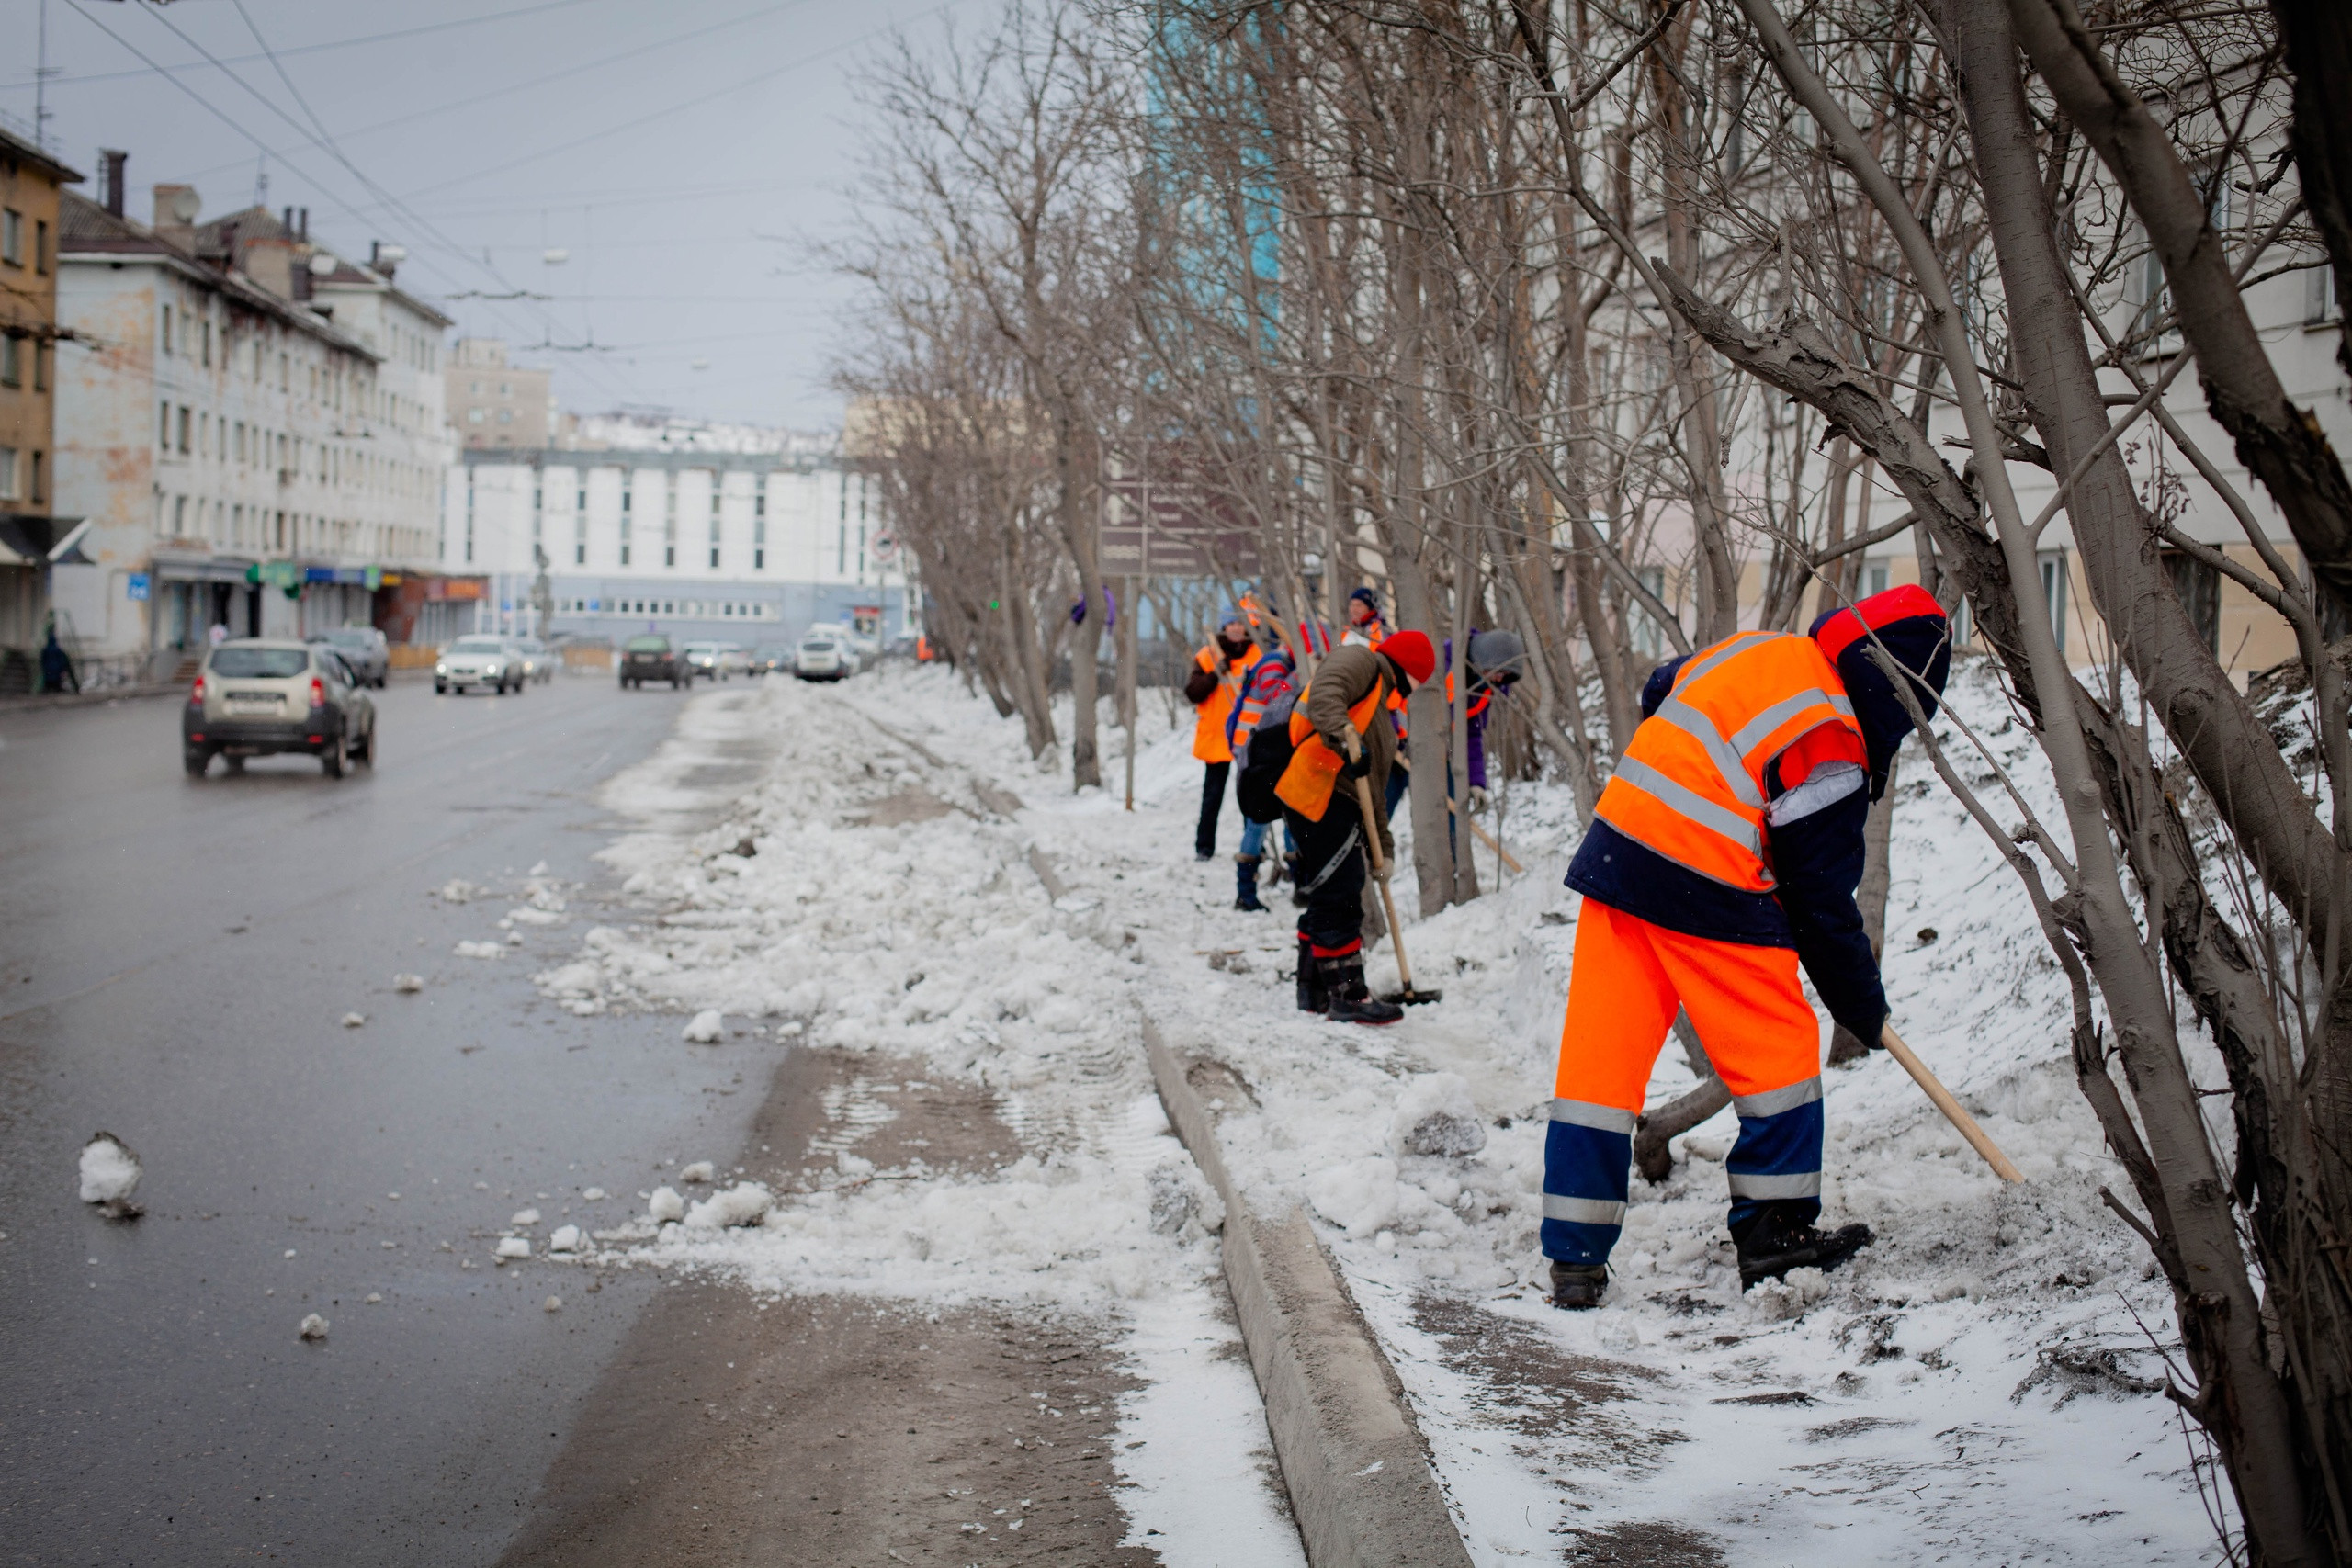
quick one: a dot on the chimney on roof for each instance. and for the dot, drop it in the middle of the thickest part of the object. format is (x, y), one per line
(113, 162)
(176, 211)
(385, 258)
(304, 232)
(286, 224)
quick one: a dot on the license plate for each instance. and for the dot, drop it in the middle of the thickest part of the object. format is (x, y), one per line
(252, 704)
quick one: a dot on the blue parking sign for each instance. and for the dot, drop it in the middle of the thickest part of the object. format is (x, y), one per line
(135, 586)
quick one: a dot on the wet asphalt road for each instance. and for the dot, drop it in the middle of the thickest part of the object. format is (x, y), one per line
(176, 956)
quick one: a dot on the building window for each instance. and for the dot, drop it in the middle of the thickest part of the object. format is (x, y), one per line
(166, 338)
(179, 517)
(1873, 580)
(163, 426)
(2197, 585)
(42, 354)
(7, 473)
(208, 345)
(186, 419)
(40, 246)
(2053, 592)
(35, 488)
(12, 361)
(12, 236)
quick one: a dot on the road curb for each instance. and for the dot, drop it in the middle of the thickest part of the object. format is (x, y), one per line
(1359, 1482)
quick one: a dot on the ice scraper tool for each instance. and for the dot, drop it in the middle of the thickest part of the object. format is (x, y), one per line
(1944, 1103)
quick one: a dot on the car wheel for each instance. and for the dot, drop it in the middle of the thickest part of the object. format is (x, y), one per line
(369, 756)
(333, 758)
(196, 760)
(522, 687)
(440, 688)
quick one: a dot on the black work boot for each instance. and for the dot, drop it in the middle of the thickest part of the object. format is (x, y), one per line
(1576, 1287)
(1352, 1002)
(1297, 894)
(1773, 1242)
(1312, 997)
(1245, 879)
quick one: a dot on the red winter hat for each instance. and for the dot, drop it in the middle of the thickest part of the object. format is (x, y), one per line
(1412, 654)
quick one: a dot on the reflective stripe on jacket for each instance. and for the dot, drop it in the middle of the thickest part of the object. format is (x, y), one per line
(1305, 785)
(1692, 785)
(1208, 724)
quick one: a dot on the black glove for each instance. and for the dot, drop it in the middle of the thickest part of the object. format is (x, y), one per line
(1355, 767)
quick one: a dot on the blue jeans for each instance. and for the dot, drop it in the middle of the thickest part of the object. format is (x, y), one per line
(1253, 837)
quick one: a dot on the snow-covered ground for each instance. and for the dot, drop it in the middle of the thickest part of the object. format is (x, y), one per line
(1977, 1387)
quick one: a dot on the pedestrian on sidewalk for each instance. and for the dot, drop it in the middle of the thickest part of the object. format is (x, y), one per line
(1722, 854)
(57, 666)
(1274, 675)
(1212, 687)
(1340, 729)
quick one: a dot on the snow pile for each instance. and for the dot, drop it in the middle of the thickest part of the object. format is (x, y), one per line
(666, 1206)
(745, 1203)
(1906, 1401)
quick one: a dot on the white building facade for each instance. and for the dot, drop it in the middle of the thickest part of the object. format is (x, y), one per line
(744, 547)
(253, 425)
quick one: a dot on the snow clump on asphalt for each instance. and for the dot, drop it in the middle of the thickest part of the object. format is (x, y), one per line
(109, 1172)
(666, 1206)
(706, 1027)
(480, 949)
(701, 1170)
(313, 1327)
(407, 984)
(745, 1203)
(513, 1246)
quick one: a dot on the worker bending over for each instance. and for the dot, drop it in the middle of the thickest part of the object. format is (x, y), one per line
(1723, 852)
(1340, 734)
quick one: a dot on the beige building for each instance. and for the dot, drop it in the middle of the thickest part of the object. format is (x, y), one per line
(493, 404)
(30, 536)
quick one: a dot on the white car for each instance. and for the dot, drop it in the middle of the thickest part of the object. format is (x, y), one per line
(821, 657)
(701, 659)
(539, 661)
(733, 661)
(492, 662)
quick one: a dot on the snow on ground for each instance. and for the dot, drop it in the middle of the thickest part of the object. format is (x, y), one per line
(857, 897)
(1978, 1387)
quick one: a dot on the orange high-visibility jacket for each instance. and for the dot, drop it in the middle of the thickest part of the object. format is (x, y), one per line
(1691, 784)
(1208, 724)
(1305, 785)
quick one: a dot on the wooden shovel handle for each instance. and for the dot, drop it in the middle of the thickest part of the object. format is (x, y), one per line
(1959, 1118)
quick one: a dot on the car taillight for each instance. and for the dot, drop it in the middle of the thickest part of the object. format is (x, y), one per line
(196, 692)
(317, 692)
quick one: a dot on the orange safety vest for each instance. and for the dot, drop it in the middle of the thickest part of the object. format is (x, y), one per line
(1691, 784)
(1305, 785)
(1209, 727)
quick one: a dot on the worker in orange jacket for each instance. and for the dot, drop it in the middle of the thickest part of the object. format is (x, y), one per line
(1339, 729)
(1722, 854)
(1212, 687)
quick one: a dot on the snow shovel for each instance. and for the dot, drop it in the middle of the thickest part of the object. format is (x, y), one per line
(1408, 996)
(1948, 1106)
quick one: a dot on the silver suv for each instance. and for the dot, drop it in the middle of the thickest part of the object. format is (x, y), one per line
(255, 698)
(364, 648)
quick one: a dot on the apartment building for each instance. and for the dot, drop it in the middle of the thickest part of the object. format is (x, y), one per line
(32, 536)
(251, 423)
(494, 405)
(738, 545)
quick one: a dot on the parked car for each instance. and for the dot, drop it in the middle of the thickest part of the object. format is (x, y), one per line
(702, 660)
(733, 661)
(362, 648)
(770, 659)
(821, 657)
(844, 641)
(647, 659)
(481, 661)
(257, 696)
(540, 661)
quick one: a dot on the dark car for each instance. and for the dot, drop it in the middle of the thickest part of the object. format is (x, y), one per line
(771, 659)
(647, 659)
(255, 698)
(364, 648)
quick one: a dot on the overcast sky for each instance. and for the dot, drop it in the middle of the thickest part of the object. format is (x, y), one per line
(683, 152)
